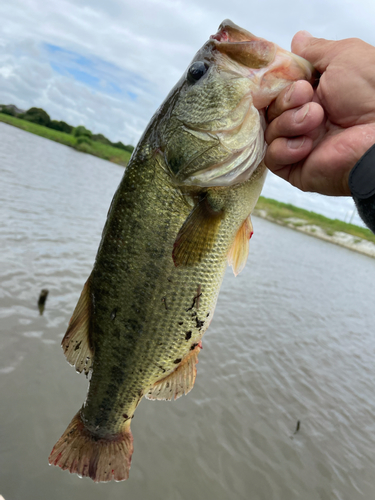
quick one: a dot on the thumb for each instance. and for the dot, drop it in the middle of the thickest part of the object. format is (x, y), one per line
(301, 40)
(315, 50)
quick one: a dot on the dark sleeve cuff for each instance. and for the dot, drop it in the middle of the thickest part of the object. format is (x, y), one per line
(362, 187)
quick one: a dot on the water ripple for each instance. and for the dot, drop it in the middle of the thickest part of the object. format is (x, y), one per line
(292, 340)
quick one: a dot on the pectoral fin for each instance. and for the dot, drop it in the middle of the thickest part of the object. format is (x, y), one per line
(197, 235)
(239, 251)
(76, 342)
(179, 382)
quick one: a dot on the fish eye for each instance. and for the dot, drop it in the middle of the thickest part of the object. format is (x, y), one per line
(196, 71)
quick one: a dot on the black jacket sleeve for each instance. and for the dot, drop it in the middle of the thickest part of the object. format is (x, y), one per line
(362, 187)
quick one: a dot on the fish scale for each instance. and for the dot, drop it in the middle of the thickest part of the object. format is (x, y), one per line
(178, 299)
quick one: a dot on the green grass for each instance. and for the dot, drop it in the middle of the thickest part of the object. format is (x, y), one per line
(104, 151)
(281, 211)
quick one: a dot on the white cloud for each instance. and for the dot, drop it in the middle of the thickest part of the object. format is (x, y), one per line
(119, 58)
(6, 71)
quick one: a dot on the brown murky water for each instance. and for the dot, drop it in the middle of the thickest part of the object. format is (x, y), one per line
(293, 338)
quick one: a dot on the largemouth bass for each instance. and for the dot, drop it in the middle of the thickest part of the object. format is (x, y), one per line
(181, 211)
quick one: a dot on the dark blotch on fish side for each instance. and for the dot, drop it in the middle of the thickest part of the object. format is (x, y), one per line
(116, 333)
(188, 335)
(132, 325)
(193, 347)
(42, 300)
(175, 163)
(176, 361)
(117, 374)
(105, 410)
(180, 323)
(199, 323)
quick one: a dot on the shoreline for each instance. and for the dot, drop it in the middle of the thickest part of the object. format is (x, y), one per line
(340, 238)
(95, 148)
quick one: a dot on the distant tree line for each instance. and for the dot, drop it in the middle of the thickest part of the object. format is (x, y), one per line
(39, 116)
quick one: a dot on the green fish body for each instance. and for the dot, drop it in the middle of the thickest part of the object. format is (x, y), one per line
(180, 213)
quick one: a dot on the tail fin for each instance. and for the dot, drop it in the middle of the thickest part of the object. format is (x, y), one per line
(83, 453)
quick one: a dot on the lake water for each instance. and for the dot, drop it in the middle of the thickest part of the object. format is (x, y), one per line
(293, 338)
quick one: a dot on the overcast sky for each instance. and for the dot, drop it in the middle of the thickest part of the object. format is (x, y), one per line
(108, 64)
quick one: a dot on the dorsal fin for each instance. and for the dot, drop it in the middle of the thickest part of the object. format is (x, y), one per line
(179, 382)
(239, 251)
(197, 234)
(76, 342)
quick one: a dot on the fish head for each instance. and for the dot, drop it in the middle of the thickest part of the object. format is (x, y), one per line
(213, 121)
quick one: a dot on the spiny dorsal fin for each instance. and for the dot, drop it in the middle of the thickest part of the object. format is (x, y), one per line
(239, 251)
(76, 342)
(197, 235)
(179, 382)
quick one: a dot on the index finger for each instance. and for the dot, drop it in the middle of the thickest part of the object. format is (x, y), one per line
(297, 94)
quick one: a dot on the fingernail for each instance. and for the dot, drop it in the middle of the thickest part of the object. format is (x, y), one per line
(289, 93)
(300, 115)
(296, 143)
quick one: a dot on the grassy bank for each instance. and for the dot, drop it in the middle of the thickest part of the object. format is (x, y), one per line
(295, 217)
(94, 148)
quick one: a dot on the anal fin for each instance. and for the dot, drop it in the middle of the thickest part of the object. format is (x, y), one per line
(239, 251)
(76, 342)
(180, 381)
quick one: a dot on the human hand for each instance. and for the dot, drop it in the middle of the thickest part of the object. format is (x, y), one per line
(315, 137)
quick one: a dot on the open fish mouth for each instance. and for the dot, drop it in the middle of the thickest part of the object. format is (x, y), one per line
(242, 46)
(255, 53)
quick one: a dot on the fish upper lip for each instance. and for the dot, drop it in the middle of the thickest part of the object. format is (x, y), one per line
(242, 46)
(229, 32)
